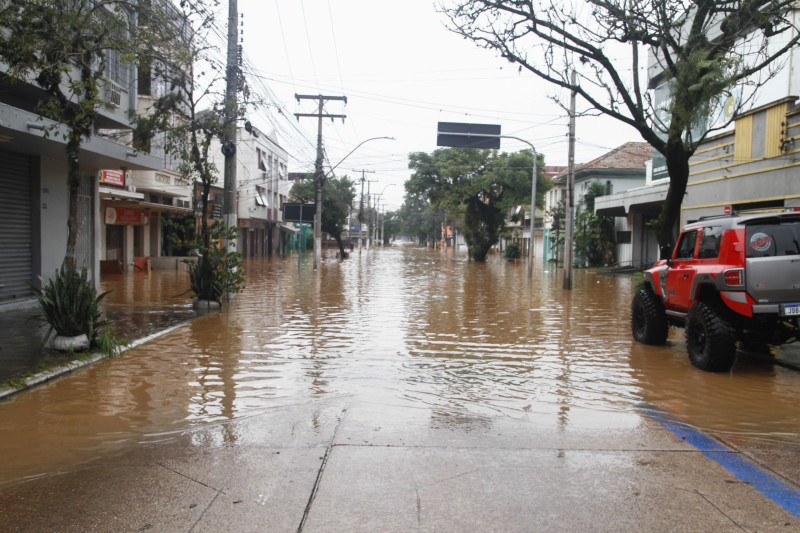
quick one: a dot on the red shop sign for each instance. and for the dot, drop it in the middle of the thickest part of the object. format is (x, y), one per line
(121, 216)
(112, 177)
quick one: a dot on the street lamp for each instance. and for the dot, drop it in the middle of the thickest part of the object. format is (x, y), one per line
(318, 200)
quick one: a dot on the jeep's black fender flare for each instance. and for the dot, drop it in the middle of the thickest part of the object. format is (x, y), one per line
(652, 280)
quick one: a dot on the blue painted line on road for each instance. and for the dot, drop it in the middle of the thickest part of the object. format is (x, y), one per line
(764, 482)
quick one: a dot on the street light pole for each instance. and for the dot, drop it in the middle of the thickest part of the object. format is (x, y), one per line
(376, 204)
(533, 199)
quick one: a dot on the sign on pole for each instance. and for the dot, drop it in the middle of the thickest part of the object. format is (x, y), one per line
(463, 135)
(299, 212)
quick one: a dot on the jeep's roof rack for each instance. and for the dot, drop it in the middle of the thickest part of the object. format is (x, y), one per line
(754, 211)
(711, 217)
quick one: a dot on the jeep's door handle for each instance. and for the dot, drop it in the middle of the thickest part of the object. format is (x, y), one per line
(686, 275)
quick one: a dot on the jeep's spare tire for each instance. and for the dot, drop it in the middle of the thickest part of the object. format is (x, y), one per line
(710, 338)
(648, 319)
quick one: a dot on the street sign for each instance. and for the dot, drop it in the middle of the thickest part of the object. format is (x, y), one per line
(299, 212)
(464, 135)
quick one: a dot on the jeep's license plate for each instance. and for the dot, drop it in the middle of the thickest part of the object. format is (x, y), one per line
(791, 310)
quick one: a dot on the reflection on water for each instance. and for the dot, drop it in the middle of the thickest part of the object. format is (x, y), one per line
(465, 343)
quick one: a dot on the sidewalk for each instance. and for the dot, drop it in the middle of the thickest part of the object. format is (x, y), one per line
(356, 469)
(137, 306)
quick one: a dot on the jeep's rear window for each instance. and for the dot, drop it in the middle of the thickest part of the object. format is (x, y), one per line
(779, 237)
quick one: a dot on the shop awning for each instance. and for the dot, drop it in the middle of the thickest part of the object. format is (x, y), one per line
(150, 206)
(289, 229)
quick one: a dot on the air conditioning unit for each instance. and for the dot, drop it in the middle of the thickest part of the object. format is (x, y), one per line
(113, 94)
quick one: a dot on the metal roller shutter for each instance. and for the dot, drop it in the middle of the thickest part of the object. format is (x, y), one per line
(16, 239)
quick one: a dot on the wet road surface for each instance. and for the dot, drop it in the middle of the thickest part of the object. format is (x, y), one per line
(409, 390)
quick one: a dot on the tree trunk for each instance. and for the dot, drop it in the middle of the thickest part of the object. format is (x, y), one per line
(677, 158)
(73, 185)
(342, 253)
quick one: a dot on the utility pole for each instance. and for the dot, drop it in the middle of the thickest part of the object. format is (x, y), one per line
(570, 214)
(369, 216)
(361, 208)
(233, 80)
(319, 175)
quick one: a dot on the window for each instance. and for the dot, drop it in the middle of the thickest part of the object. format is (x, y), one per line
(261, 165)
(769, 238)
(116, 70)
(260, 200)
(686, 245)
(624, 237)
(709, 243)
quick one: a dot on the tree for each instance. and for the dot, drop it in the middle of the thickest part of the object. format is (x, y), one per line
(558, 216)
(392, 225)
(594, 235)
(417, 217)
(702, 49)
(187, 119)
(480, 183)
(65, 48)
(337, 198)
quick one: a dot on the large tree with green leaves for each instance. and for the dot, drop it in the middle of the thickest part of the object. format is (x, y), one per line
(701, 50)
(337, 199)
(481, 184)
(416, 217)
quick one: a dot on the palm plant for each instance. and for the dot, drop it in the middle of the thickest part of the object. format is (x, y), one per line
(69, 303)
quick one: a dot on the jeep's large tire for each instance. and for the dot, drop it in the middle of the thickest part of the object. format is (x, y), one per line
(648, 319)
(710, 338)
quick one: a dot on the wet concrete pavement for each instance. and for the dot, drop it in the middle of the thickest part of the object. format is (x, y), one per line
(300, 408)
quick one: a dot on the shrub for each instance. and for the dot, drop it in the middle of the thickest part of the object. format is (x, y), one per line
(216, 270)
(512, 251)
(69, 303)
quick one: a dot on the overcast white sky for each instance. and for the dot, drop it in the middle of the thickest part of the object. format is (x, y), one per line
(402, 72)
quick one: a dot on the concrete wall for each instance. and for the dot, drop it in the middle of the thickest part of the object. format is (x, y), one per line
(53, 214)
(756, 163)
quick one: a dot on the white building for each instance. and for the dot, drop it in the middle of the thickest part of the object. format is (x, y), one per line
(262, 187)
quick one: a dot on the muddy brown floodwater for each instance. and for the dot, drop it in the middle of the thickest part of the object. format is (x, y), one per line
(465, 344)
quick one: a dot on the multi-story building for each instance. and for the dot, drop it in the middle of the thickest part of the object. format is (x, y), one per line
(262, 187)
(621, 169)
(33, 170)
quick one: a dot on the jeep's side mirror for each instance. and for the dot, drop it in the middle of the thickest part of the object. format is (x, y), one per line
(670, 263)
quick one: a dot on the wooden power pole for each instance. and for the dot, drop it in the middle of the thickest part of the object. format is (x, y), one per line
(232, 79)
(570, 214)
(319, 175)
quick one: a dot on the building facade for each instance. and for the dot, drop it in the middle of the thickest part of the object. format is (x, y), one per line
(748, 161)
(262, 187)
(620, 169)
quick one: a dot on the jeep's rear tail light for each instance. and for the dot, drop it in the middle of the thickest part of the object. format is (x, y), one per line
(734, 277)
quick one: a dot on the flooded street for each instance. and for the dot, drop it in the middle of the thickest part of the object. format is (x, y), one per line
(403, 347)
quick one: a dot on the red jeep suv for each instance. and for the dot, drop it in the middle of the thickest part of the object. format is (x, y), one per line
(733, 280)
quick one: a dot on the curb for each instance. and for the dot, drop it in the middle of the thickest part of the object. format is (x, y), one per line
(77, 364)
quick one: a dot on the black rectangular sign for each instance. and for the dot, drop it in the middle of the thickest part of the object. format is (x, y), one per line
(463, 135)
(299, 212)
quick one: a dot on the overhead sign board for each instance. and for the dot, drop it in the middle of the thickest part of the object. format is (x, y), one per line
(121, 216)
(464, 135)
(112, 177)
(299, 212)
